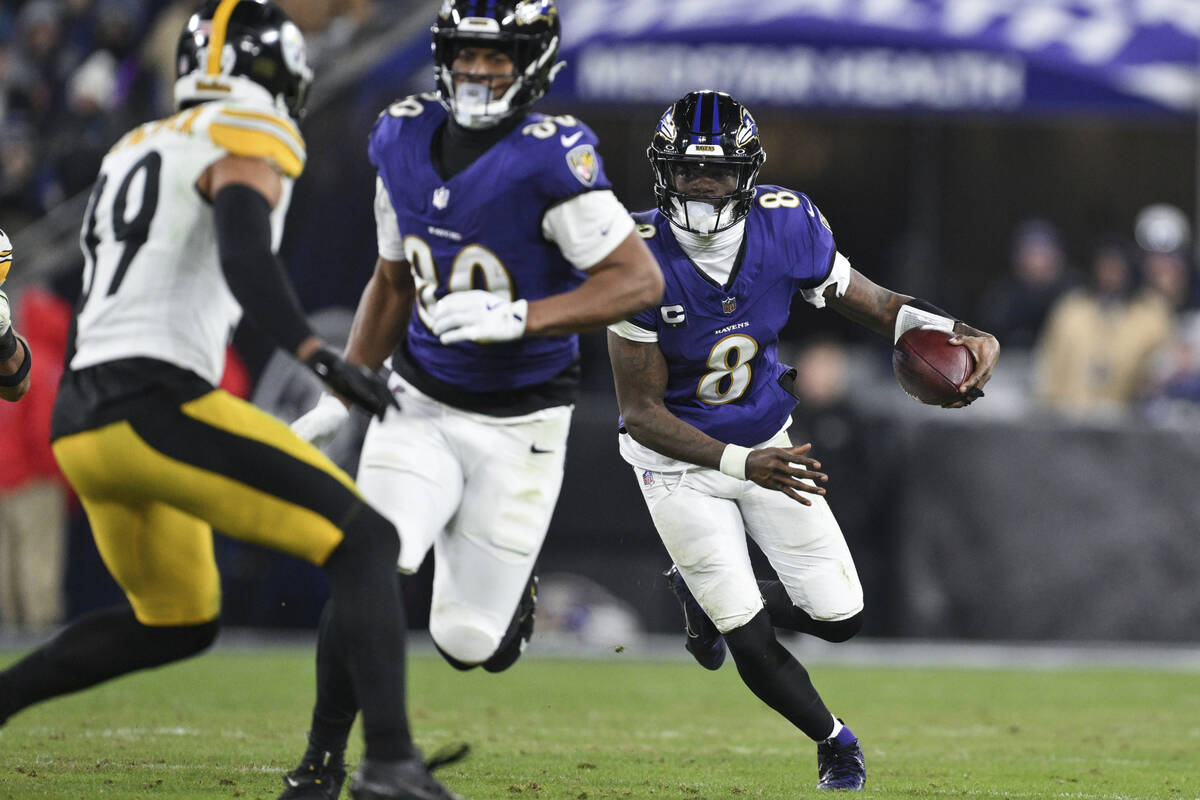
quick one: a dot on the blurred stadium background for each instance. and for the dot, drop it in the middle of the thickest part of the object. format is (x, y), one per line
(973, 152)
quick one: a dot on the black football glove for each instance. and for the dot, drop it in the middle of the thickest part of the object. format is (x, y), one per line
(357, 384)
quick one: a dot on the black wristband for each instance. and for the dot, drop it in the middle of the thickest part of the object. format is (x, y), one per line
(8, 344)
(8, 381)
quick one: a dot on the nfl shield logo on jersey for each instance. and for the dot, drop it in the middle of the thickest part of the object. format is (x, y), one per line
(729, 305)
(647, 478)
(582, 161)
(441, 197)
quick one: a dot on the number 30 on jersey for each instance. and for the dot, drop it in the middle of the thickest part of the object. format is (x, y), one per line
(474, 267)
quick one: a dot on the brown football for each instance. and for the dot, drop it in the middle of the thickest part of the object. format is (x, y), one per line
(928, 367)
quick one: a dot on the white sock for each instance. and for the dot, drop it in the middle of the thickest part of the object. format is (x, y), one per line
(837, 728)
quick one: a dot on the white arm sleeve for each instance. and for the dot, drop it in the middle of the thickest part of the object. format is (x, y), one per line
(839, 276)
(387, 230)
(634, 333)
(587, 227)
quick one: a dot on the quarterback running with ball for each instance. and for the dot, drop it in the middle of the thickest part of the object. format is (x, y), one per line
(705, 407)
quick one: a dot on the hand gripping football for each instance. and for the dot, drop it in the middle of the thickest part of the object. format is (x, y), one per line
(928, 367)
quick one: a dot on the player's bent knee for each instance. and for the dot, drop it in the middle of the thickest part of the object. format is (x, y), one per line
(839, 630)
(171, 643)
(463, 644)
(753, 636)
(728, 624)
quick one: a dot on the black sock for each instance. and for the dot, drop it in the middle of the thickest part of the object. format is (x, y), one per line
(93, 649)
(779, 680)
(366, 619)
(786, 615)
(336, 706)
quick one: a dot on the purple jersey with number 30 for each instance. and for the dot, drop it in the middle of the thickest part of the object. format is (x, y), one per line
(721, 343)
(482, 229)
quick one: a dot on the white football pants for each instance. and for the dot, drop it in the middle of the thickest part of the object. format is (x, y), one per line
(480, 490)
(703, 517)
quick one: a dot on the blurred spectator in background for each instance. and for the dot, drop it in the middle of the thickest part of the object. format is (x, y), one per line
(1169, 275)
(71, 81)
(1164, 235)
(1173, 397)
(40, 61)
(328, 25)
(77, 146)
(26, 190)
(33, 497)
(1015, 307)
(158, 53)
(76, 74)
(1093, 356)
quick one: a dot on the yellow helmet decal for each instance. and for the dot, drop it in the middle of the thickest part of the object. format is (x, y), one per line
(216, 38)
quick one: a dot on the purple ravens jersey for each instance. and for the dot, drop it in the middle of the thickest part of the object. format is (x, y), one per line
(482, 229)
(721, 342)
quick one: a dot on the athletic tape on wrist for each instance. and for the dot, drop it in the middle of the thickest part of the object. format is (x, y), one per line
(917, 313)
(733, 461)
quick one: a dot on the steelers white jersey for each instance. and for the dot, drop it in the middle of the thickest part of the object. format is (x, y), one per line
(153, 285)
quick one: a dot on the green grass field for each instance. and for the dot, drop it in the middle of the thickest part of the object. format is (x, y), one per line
(226, 725)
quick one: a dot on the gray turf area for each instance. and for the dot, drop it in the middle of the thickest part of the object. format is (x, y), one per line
(1168, 656)
(1181, 657)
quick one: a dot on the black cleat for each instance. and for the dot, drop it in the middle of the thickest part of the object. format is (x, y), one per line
(840, 765)
(409, 779)
(314, 780)
(704, 641)
(521, 630)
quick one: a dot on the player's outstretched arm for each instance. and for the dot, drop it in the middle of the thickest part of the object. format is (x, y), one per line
(879, 309)
(640, 374)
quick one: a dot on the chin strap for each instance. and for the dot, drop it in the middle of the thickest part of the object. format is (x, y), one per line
(8, 381)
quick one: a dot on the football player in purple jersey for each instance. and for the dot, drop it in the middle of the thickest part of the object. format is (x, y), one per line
(499, 238)
(705, 406)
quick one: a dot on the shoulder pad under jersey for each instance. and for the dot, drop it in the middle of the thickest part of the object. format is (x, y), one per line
(258, 132)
